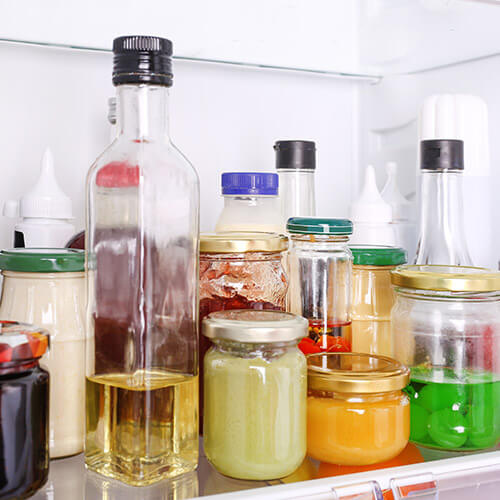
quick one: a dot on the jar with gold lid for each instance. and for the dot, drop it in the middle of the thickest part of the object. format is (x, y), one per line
(357, 412)
(446, 328)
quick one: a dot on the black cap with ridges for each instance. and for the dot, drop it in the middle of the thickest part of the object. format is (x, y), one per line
(142, 59)
(442, 154)
(295, 155)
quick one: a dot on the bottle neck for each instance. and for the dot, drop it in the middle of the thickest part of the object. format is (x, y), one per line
(442, 232)
(143, 112)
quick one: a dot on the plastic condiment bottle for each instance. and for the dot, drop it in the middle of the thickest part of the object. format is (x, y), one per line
(45, 211)
(402, 216)
(372, 216)
(296, 166)
(251, 203)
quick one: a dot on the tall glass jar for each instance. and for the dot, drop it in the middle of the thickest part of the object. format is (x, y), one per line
(142, 243)
(255, 393)
(47, 287)
(240, 271)
(320, 267)
(446, 328)
(24, 410)
(372, 297)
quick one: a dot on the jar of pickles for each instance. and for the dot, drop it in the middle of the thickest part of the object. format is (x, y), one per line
(320, 268)
(255, 393)
(372, 297)
(357, 412)
(446, 327)
(24, 410)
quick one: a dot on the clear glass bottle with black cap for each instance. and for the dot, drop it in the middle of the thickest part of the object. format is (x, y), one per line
(296, 165)
(442, 239)
(142, 242)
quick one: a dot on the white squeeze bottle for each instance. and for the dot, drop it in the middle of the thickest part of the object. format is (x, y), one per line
(372, 216)
(45, 211)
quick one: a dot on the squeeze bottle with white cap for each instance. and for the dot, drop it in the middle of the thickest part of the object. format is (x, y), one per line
(372, 216)
(45, 211)
(402, 213)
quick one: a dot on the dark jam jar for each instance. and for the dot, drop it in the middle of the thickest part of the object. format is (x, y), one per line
(240, 271)
(24, 410)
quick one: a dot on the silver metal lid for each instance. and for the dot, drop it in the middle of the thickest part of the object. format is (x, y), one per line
(254, 327)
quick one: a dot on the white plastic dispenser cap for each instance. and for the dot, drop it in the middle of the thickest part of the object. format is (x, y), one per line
(459, 116)
(401, 207)
(45, 200)
(370, 206)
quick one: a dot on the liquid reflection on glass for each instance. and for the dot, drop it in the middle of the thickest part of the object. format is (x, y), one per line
(98, 487)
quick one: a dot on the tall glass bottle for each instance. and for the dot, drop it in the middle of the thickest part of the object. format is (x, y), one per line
(142, 242)
(442, 238)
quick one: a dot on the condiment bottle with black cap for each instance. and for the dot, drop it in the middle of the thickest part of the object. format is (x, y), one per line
(142, 266)
(442, 239)
(296, 165)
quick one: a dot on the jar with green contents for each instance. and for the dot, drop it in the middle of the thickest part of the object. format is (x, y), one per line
(372, 297)
(446, 328)
(255, 393)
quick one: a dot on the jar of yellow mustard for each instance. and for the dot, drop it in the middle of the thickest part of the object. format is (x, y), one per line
(357, 413)
(373, 297)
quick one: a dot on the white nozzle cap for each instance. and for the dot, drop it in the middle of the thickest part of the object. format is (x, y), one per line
(401, 207)
(459, 116)
(45, 200)
(370, 206)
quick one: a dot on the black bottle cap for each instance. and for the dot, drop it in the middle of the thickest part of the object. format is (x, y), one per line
(295, 155)
(142, 59)
(442, 154)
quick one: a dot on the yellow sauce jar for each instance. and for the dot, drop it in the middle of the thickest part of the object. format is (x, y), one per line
(357, 413)
(373, 297)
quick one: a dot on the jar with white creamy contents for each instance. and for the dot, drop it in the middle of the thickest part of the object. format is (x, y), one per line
(47, 287)
(255, 393)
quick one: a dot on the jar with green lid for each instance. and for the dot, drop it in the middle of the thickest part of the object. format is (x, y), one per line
(372, 297)
(47, 287)
(320, 268)
(255, 393)
(446, 328)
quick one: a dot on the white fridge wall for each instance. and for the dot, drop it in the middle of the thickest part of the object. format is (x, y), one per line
(222, 117)
(389, 131)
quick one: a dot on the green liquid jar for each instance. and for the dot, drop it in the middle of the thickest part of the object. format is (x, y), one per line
(255, 381)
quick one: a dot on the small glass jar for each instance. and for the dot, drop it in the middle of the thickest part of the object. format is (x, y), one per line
(320, 268)
(255, 393)
(373, 297)
(47, 287)
(24, 410)
(357, 413)
(446, 328)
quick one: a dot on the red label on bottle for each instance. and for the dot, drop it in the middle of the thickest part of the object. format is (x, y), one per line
(118, 174)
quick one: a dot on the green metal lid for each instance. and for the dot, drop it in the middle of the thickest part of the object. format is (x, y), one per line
(319, 225)
(371, 255)
(42, 260)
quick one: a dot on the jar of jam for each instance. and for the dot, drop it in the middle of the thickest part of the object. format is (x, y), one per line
(373, 297)
(240, 271)
(24, 410)
(320, 267)
(357, 412)
(255, 393)
(446, 328)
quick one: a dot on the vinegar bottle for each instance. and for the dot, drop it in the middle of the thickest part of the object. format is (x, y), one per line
(142, 241)
(442, 233)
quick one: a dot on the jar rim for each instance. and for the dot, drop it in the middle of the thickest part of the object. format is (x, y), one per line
(446, 278)
(242, 242)
(352, 372)
(254, 326)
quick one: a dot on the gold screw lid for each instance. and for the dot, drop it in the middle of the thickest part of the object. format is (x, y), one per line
(233, 242)
(446, 278)
(255, 326)
(355, 373)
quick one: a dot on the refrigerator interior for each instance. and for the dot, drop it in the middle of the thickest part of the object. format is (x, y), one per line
(350, 75)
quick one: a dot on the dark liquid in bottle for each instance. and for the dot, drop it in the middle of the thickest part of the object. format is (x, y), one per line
(318, 328)
(24, 432)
